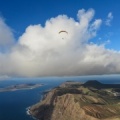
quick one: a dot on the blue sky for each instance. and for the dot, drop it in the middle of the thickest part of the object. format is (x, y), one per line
(31, 46)
(19, 14)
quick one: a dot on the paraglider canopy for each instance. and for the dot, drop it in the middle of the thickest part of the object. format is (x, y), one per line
(63, 31)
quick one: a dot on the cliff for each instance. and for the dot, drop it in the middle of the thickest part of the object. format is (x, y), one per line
(76, 101)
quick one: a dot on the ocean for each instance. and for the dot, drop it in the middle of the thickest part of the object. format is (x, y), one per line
(13, 104)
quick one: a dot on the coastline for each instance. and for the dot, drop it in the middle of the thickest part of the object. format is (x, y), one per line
(28, 111)
(29, 114)
(43, 95)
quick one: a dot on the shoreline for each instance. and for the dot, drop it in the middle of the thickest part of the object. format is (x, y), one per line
(42, 98)
(29, 114)
(28, 111)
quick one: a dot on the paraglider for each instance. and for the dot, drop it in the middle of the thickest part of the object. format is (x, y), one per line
(63, 35)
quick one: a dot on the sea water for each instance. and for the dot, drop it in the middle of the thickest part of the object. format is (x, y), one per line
(13, 104)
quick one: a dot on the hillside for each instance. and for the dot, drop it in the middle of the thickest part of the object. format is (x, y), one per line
(75, 101)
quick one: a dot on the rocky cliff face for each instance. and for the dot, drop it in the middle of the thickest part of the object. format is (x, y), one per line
(76, 102)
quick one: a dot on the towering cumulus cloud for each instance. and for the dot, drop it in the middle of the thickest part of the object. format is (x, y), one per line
(45, 51)
(6, 36)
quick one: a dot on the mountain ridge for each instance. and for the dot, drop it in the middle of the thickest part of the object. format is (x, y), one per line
(77, 101)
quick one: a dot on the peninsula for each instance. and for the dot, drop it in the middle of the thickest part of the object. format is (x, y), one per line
(79, 101)
(20, 87)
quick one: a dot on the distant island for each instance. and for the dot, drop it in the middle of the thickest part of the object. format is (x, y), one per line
(79, 101)
(20, 87)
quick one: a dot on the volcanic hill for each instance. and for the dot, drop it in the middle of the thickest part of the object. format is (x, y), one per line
(76, 101)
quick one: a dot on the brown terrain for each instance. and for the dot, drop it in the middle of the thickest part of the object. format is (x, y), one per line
(76, 101)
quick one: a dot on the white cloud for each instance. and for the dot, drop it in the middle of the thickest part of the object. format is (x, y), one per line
(109, 19)
(6, 36)
(43, 51)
